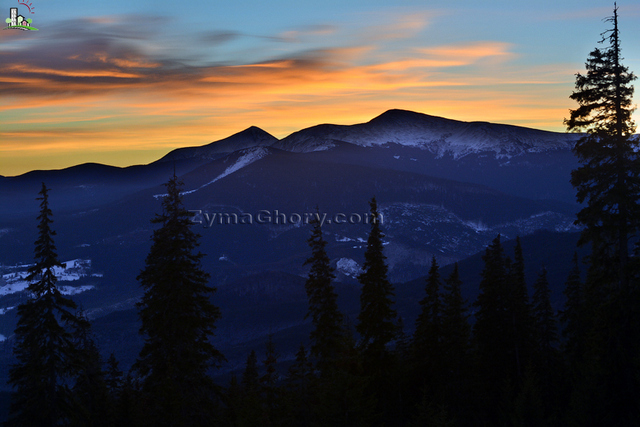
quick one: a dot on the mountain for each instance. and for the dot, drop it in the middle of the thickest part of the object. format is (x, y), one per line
(437, 135)
(445, 188)
(250, 137)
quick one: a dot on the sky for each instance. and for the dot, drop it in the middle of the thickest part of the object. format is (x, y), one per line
(125, 82)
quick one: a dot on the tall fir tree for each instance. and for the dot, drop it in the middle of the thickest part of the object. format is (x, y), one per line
(178, 321)
(546, 328)
(572, 317)
(251, 411)
(455, 344)
(299, 389)
(491, 327)
(521, 320)
(427, 336)
(270, 388)
(90, 390)
(327, 336)
(456, 332)
(609, 178)
(377, 324)
(46, 357)
(503, 326)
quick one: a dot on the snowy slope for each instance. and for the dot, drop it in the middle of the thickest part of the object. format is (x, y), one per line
(244, 158)
(70, 271)
(438, 135)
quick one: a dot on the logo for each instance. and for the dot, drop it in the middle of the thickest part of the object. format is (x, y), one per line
(19, 22)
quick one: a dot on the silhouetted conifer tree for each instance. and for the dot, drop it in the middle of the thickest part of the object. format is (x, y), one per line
(178, 320)
(609, 182)
(456, 331)
(572, 317)
(327, 335)
(522, 322)
(428, 335)
(377, 319)
(455, 345)
(546, 329)
(44, 348)
(427, 369)
(502, 318)
(251, 411)
(90, 390)
(113, 377)
(377, 322)
(270, 389)
(300, 390)
(609, 178)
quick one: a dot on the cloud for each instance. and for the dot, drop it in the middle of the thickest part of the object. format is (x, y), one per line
(298, 34)
(219, 37)
(468, 53)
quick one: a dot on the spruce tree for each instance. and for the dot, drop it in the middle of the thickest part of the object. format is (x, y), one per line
(572, 317)
(113, 377)
(377, 322)
(546, 329)
(250, 376)
(251, 410)
(503, 325)
(521, 320)
(270, 389)
(178, 320)
(327, 335)
(90, 390)
(456, 331)
(300, 390)
(609, 178)
(427, 336)
(377, 319)
(492, 327)
(44, 347)
(608, 181)
(455, 344)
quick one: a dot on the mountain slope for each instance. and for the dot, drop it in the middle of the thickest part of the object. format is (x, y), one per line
(250, 137)
(438, 135)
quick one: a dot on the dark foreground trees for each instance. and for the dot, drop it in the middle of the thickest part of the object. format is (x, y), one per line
(603, 315)
(377, 324)
(327, 337)
(44, 347)
(609, 178)
(178, 320)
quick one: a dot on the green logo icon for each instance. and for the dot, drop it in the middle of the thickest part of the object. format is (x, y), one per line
(18, 22)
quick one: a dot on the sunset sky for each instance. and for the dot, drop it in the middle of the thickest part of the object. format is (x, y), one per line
(125, 82)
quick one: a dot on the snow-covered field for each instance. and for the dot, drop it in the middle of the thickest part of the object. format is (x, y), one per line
(73, 270)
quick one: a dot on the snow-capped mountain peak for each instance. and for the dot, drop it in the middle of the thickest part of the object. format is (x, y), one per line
(438, 135)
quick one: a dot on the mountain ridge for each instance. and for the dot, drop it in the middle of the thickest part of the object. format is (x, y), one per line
(253, 136)
(439, 135)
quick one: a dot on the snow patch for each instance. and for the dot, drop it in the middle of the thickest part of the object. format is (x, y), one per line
(69, 271)
(249, 156)
(348, 267)
(4, 310)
